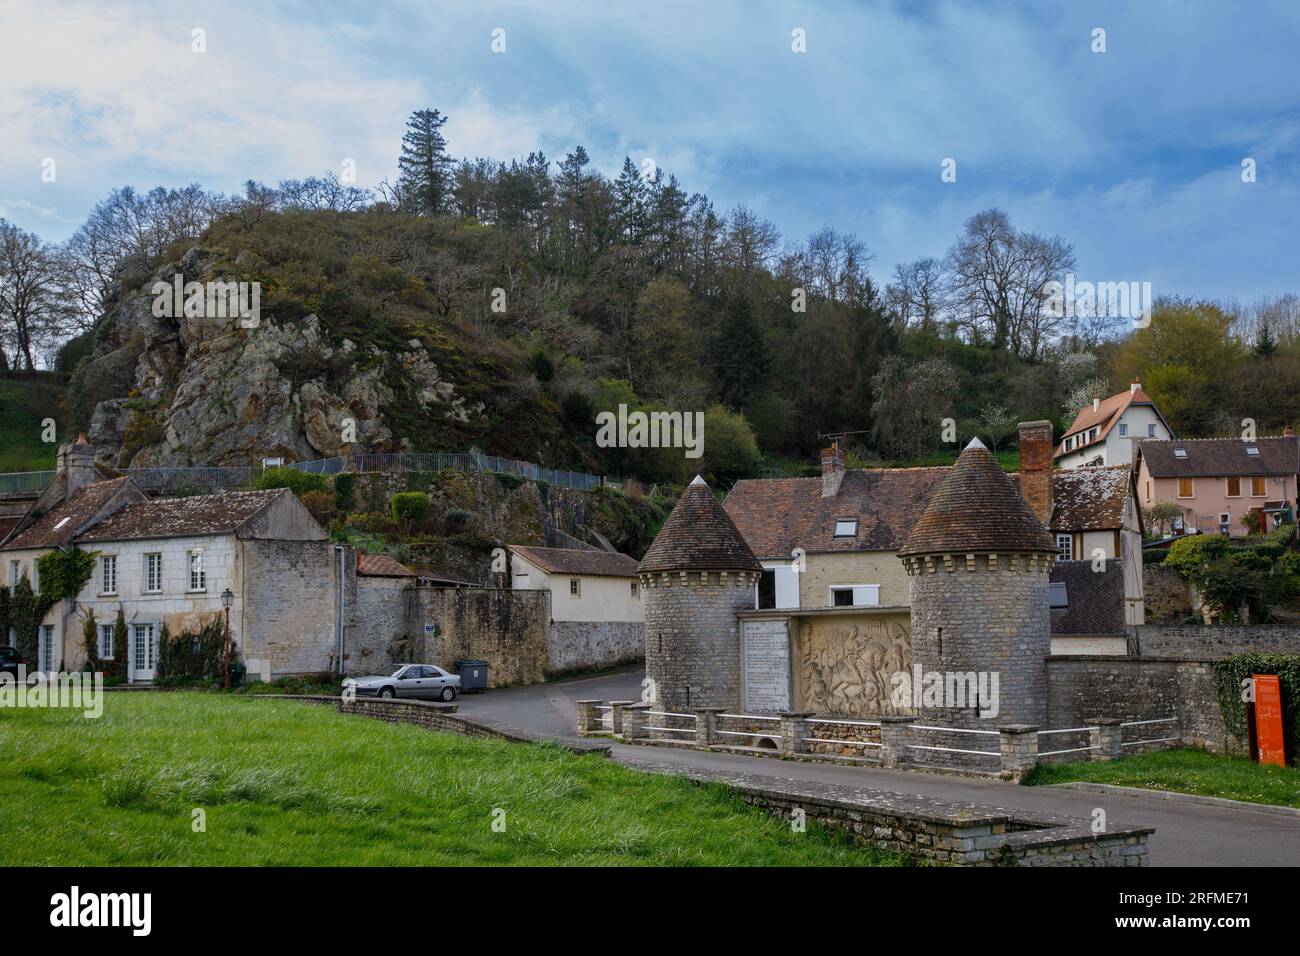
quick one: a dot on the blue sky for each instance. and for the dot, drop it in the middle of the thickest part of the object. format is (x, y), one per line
(1133, 154)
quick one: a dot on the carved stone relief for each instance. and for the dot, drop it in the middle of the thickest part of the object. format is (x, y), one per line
(845, 666)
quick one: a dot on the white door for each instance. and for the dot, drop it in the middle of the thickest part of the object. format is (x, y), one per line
(144, 651)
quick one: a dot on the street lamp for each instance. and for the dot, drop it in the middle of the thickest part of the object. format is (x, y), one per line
(227, 599)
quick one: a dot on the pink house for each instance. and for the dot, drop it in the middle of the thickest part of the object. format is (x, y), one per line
(1217, 481)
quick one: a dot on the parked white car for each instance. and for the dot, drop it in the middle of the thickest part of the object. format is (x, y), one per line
(407, 680)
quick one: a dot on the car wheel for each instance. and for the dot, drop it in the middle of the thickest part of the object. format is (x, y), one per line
(448, 694)
(387, 692)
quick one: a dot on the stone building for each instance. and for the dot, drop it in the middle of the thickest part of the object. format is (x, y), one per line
(696, 577)
(978, 560)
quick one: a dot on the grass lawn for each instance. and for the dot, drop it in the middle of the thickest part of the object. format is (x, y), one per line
(24, 404)
(287, 783)
(1185, 771)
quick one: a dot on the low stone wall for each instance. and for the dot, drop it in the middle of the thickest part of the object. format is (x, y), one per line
(1144, 688)
(954, 834)
(1211, 642)
(592, 645)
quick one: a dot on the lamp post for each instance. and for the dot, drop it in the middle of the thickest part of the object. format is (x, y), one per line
(227, 599)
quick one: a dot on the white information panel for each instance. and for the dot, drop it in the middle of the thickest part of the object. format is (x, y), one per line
(766, 656)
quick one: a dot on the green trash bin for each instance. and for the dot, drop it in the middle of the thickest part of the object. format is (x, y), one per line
(237, 672)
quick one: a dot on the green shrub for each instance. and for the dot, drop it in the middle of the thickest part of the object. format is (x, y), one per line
(1190, 555)
(345, 487)
(410, 507)
(457, 519)
(299, 482)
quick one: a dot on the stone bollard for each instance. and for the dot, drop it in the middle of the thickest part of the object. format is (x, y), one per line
(634, 720)
(1107, 736)
(616, 715)
(893, 741)
(794, 727)
(1019, 747)
(706, 726)
(589, 717)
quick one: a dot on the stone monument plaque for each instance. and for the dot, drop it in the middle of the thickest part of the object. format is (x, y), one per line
(766, 656)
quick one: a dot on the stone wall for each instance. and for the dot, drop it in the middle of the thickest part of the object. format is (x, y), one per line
(692, 636)
(377, 633)
(1216, 641)
(508, 629)
(590, 645)
(986, 614)
(1166, 595)
(290, 601)
(1080, 688)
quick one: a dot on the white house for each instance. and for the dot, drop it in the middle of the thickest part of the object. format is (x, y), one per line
(170, 561)
(1107, 432)
(585, 586)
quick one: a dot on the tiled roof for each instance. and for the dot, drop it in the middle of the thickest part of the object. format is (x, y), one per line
(1104, 418)
(977, 507)
(599, 564)
(382, 566)
(220, 513)
(57, 527)
(1090, 499)
(775, 516)
(699, 536)
(1096, 598)
(1221, 457)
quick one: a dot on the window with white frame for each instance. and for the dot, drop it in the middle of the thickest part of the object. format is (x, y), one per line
(153, 573)
(855, 595)
(846, 527)
(108, 574)
(1123, 430)
(15, 571)
(575, 587)
(47, 662)
(636, 590)
(1151, 430)
(198, 573)
(105, 648)
(1065, 546)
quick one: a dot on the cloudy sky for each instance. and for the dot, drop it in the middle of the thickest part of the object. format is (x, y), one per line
(1134, 154)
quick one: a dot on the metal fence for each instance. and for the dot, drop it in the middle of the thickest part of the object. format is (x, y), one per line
(242, 476)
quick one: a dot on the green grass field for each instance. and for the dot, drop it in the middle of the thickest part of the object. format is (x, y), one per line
(1185, 771)
(287, 783)
(24, 404)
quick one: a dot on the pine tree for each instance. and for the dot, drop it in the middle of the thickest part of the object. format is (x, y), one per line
(1265, 343)
(425, 180)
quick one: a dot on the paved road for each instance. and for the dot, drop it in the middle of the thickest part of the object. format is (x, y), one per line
(1186, 834)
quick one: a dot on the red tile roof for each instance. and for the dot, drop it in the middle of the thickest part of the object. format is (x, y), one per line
(775, 516)
(221, 513)
(1104, 418)
(699, 536)
(382, 566)
(978, 507)
(597, 564)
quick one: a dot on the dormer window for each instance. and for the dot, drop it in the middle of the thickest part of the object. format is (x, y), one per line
(1180, 453)
(846, 527)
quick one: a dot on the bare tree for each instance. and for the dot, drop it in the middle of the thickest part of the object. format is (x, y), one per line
(999, 277)
(919, 293)
(33, 306)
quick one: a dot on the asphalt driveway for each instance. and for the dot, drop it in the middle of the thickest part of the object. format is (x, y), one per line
(1186, 834)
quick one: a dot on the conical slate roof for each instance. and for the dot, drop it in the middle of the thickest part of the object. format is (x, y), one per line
(977, 507)
(698, 536)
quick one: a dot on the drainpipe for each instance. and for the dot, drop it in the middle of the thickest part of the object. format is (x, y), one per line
(338, 623)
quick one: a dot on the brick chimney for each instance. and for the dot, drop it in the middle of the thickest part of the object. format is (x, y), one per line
(832, 470)
(1137, 383)
(76, 460)
(1036, 467)
(1096, 403)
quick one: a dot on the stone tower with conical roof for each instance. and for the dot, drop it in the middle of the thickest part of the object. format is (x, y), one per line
(698, 573)
(978, 561)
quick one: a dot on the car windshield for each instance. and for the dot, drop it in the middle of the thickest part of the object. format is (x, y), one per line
(393, 671)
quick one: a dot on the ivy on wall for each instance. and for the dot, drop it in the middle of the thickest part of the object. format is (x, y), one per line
(1232, 671)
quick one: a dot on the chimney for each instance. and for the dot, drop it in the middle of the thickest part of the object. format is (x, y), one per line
(76, 460)
(1137, 383)
(1036, 467)
(1096, 403)
(832, 470)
